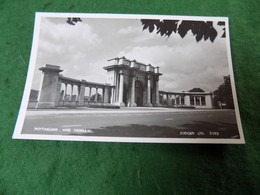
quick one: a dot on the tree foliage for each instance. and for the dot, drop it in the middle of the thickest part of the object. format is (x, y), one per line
(200, 29)
(73, 21)
(99, 97)
(223, 95)
(220, 23)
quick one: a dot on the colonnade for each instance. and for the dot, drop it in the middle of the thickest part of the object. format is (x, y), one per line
(82, 92)
(57, 89)
(119, 93)
(72, 95)
(194, 99)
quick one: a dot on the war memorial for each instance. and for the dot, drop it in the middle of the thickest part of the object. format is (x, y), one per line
(129, 84)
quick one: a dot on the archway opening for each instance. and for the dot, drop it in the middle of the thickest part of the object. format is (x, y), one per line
(139, 93)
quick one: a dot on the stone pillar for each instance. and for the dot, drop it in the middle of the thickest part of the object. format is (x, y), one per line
(48, 90)
(117, 87)
(148, 103)
(65, 93)
(195, 100)
(103, 94)
(121, 90)
(187, 100)
(81, 95)
(71, 92)
(78, 87)
(89, 95)
(200, 100)
(58, 93)
(157, 97)
(169, 100)
(112, 95)
(180, 103)
(208, 101)
(174, 96)
(133, 104)
(96, 94)
(106, 94)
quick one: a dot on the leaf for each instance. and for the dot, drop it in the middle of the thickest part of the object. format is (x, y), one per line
(151, 28)
(221, 23)
(145, 26)
(224, 34)
(184, 27)
(73, 21)
(150, 24)
(212, 34)
(199, 37)
(167, 27)
(200, 29)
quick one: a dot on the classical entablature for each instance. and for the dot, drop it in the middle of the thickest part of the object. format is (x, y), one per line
(129, 83)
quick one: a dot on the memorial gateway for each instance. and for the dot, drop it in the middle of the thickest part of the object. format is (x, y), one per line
(129, 83)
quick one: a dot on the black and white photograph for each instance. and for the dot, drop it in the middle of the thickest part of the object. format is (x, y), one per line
(130, 78)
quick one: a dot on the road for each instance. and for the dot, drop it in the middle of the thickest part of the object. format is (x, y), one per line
(181, 124)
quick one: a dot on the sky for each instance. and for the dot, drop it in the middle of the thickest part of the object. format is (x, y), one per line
(83, 50)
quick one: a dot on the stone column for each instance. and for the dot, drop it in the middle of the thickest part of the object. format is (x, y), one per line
(103, 94)
(195, 100)
(78, 87)
(169, 100)
(117, 87)
(89, 95)
(49, 85)
(121, 90)
(157, 97)
(96, 94)
(106, 94)
(200, 100)
(65, 93)
(187, 100)
(174, 96)
(112, 96)
(71, 92)
(58, 93)
(180, 100)
(208, 101)
(81, 95)
(148, 103)
(133, 104)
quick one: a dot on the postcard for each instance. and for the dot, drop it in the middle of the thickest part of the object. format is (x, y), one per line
(130, 78)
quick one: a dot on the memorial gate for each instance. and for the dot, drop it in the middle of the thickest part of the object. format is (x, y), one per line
(129, 83)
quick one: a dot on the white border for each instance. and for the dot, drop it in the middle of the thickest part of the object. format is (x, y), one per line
(23, 108)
